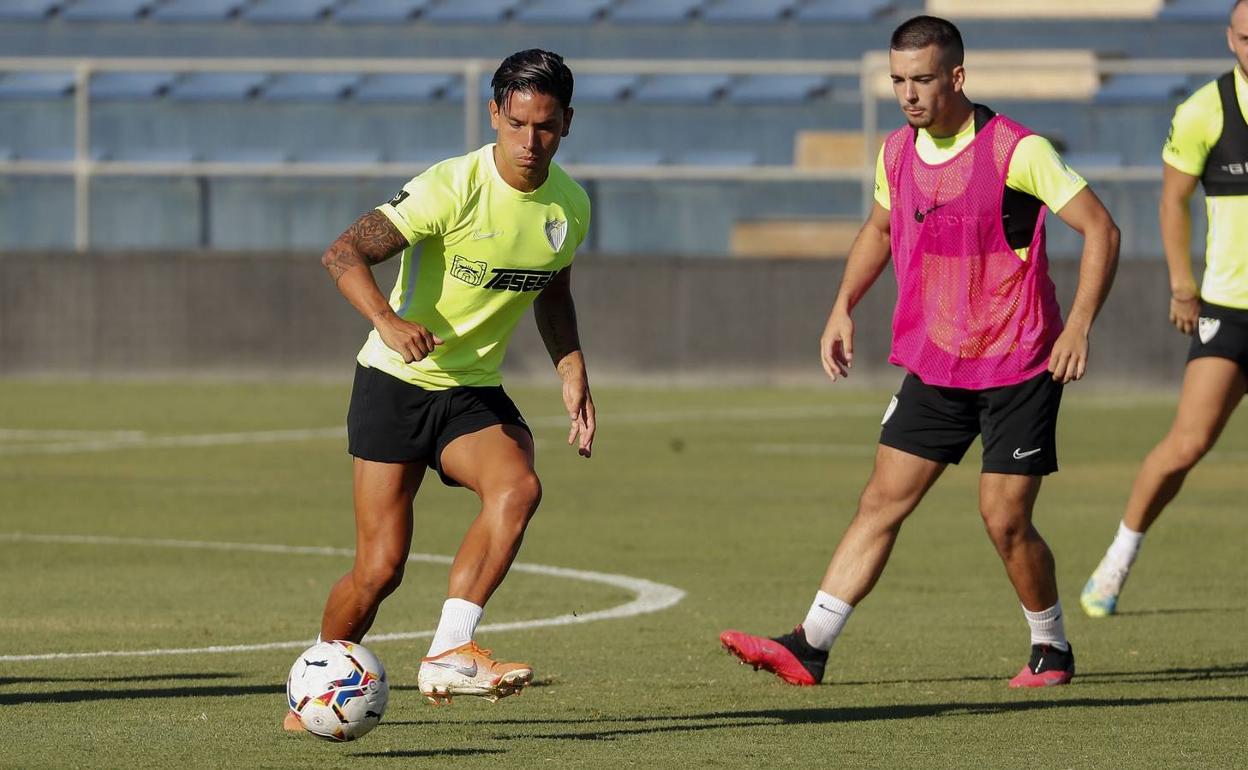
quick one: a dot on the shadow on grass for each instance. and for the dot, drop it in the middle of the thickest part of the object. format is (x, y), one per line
(1228, 671)
(417, 753)
(188, 676)
(1181, 611)
(80, 696)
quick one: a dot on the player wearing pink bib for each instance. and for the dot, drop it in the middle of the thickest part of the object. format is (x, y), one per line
(961, 197)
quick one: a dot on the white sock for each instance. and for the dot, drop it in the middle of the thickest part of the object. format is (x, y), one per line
(1047, 627)
(456, 627)
(825, 620)
(1126, 546)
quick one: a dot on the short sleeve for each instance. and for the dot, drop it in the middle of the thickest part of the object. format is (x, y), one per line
(426, 206)
(881, 182)
(1194, 130)
(1039, 171)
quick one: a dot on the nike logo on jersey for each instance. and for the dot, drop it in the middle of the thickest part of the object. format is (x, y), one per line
(919, 216)
(480, 236)
(1019, 454)
(465, 670)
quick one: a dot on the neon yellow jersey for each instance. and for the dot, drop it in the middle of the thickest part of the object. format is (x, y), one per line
(1196, 127)
(481, 251)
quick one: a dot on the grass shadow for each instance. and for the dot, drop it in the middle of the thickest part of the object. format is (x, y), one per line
(429, 753)
(82, 696)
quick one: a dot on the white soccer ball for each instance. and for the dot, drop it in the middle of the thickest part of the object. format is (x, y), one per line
(338, 689)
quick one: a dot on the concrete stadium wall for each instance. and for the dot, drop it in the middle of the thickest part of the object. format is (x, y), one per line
(642, 319)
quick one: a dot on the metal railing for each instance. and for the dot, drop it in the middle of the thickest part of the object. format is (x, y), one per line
(83, 168)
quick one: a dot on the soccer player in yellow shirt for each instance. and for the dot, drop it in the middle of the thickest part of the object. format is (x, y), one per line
(1208, 144)
(498, 229)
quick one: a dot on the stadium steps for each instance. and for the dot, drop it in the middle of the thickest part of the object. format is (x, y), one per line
(1049, 9)
(379, 11)
(798, 237)
(1050, 74)
(107, 10)
(562, 11)
(653, 11)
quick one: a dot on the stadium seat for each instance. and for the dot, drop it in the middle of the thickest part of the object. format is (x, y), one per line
(716, 158)
(424, 156)
(777, 89)
(155, 155)
(379, 11)
(286, 11)
(354, 156)
(1194, 10)
(246, 155)
(387, 87)
(603, 89)
(217, 86)
(1100, 159)
(1049, 9)
(618, 157)
(470, 11)
(57, 154)
(130, 85)
(455, 91)
(830, 149)
(681, 89)
(749, 11)
(653, 11)
(36, 85)
(562, 11)
(309, 86)
(28, 10)
(815, 238)
(197, 10)
(1141, 89)
(841, 10)
(1067, 75)
(106, 10)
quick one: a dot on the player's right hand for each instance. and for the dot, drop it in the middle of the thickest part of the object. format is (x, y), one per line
(836, 348)
(408, 339)
(1185, 312)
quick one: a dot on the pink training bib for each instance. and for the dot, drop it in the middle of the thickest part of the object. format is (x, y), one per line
(971, 313)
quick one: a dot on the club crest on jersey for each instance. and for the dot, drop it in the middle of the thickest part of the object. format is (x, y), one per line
(556, 231)
(1207, 328)
(469, 271)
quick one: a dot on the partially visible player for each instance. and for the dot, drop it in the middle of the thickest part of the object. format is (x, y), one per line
(961, 195)
(1208, 144)
(498, 229)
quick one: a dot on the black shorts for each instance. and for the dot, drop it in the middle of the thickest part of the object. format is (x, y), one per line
(1018, 424)
(1221, 332)
(392, 421)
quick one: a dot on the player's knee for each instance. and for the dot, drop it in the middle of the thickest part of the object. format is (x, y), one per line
(880, 509)
(1188, 447)
(379, 577)
(1005, 531)
(520, 496)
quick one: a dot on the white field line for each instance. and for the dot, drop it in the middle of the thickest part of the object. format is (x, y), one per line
(649, 596)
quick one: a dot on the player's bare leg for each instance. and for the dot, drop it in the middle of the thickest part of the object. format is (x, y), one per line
(897, 484)
(383, 495)
(496, 463)
(1006, 502)
(1212, 388)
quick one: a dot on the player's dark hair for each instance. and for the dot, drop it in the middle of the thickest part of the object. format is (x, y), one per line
(533, 71)
(922, 31)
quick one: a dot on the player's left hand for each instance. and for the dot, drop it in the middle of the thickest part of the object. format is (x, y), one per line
(1069, 359)
(580, 404)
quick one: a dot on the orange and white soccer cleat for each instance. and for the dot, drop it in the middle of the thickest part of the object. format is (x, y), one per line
(469, 670)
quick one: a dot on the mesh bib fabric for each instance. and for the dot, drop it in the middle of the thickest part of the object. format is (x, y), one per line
(970, 312)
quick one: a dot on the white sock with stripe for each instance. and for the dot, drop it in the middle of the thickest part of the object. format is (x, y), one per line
(824, 620)
(457, 625)
(1047, 627)
(1126, 546)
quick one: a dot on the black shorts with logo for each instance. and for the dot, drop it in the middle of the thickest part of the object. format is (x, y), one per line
(1018, 424)
(392, 421)
(1221, 332)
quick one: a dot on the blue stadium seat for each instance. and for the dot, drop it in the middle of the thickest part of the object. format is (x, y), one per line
(470, 11)
(379, 11)
(1141, 89)
(130, 85)
(197, 10)
(562, 11)
(36, 85)
(286, 11)
(749, 11)
(356, 156)
(716, 158)
(618, 157)
(106, 10)
(309, 86)
(455, 92)
(401, 88)
(681, 89)
(246, 155)
(28, 10)
(1195, 10)
(425, 155)
(841, 10)
(155, 155)
(603, 89)
(778, 89)
(653, 11)
(57, 154)
(1094, 159)
(217, 86)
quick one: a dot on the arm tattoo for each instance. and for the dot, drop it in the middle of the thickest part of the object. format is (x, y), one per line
(371, 240)
(555, 313)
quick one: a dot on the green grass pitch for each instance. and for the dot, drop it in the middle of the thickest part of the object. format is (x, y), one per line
(736, 497)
